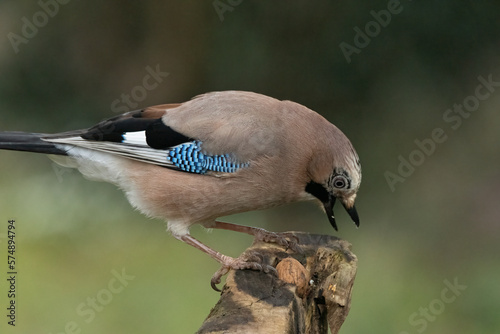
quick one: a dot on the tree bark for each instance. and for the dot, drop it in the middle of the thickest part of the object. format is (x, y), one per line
(310, 292)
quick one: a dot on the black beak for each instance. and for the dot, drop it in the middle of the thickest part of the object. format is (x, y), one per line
(353, 213)
(329, 212)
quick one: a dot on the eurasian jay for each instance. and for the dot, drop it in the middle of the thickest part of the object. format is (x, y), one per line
(218, 154)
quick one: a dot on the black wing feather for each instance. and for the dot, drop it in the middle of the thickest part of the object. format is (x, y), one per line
(158, 135)
(161, 136)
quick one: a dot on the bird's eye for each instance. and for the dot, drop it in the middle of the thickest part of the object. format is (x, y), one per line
(339, 182)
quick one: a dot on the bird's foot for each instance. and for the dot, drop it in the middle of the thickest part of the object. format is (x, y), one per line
(287, 240)
(252, 262)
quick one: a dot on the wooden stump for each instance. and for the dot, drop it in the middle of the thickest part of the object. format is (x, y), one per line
(313, 290)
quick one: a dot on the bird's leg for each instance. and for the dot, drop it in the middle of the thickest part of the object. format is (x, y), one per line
(253, 262)
(260, 234)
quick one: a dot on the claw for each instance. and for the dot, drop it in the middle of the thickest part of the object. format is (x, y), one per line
(242, 262)
(216, 278)
(270, 269)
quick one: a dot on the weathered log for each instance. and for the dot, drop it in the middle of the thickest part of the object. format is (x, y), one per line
(311, 291)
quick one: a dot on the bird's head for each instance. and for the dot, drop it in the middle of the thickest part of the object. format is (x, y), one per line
(336, 176)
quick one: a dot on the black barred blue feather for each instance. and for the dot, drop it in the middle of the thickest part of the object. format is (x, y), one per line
(189, 158)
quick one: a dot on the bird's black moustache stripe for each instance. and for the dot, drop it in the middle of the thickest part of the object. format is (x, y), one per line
(318, 191)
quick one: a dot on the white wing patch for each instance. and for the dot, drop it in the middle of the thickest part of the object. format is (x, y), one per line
(135, 138)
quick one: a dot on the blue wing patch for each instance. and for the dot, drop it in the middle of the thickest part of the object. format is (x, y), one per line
(188, 157)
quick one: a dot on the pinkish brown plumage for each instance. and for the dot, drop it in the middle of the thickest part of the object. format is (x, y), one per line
(218, 154)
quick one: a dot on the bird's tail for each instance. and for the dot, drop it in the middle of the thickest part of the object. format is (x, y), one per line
(26, 141)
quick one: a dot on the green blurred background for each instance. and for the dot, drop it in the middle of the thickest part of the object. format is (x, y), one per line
(440, 224)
